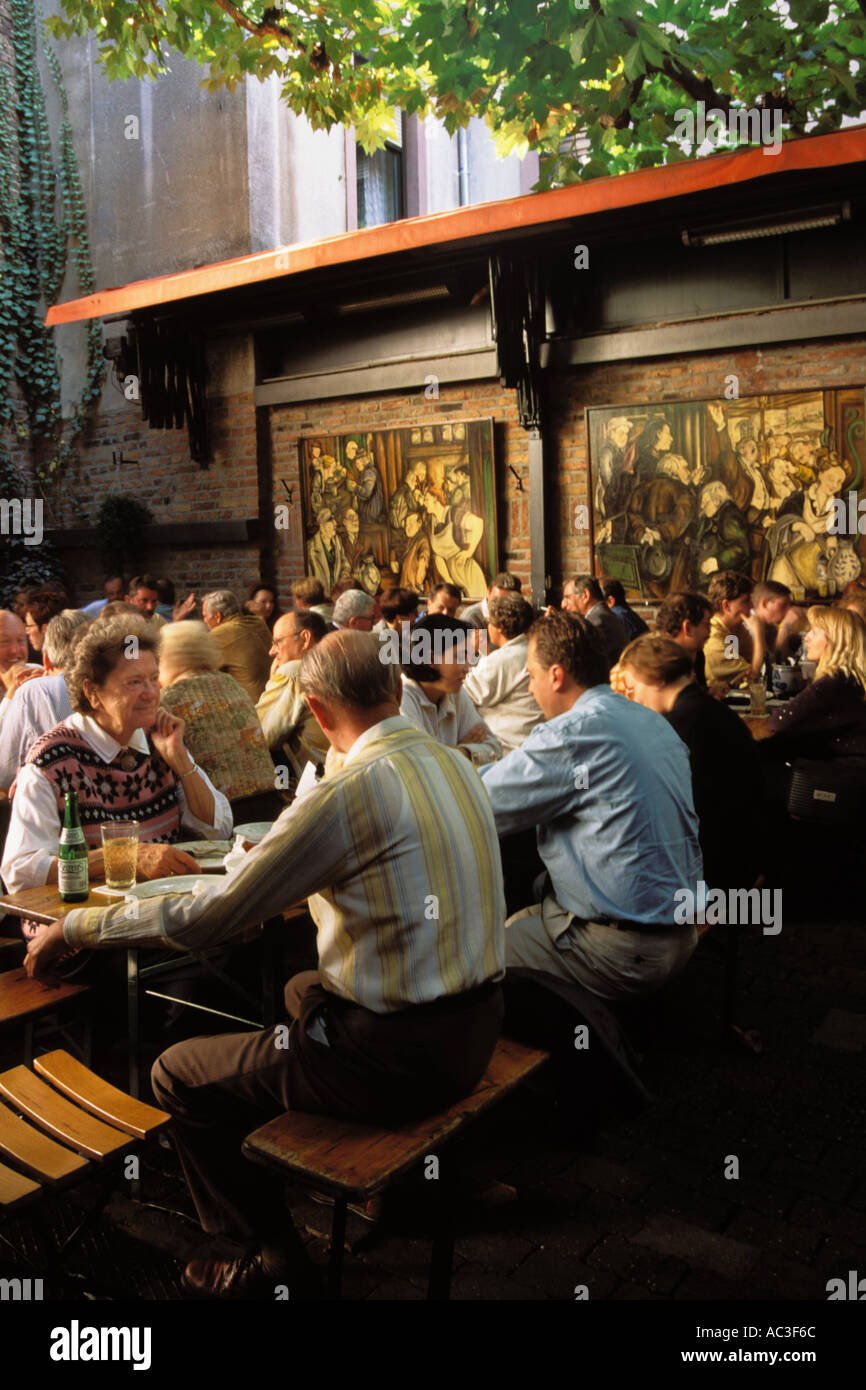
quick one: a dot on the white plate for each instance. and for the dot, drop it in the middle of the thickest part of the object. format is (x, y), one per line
(158, 887)
(256, 830)
(205, 849)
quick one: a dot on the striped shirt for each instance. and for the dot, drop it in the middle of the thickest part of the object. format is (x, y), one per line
(399, 857)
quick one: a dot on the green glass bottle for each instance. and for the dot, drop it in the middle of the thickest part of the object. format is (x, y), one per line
(73, 877)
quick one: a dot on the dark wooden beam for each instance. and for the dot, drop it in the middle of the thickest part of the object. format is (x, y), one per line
(193, 534)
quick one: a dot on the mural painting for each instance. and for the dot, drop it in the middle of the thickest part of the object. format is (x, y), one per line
(758, 484)
(414, 505)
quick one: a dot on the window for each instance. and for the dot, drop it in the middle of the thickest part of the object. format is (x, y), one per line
(381, 183)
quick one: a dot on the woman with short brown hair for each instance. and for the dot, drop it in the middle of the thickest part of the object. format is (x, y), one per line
(722, 756)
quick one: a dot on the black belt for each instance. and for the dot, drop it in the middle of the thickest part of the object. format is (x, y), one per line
(622, 924)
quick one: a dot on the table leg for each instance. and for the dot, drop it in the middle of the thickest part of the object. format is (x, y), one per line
(270, 949)
(338, 1241)
(133, 1001)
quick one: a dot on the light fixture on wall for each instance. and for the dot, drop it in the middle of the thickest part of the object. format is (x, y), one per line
(804, 220)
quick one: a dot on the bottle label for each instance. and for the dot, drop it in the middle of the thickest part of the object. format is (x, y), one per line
(72, 836)
(72, 876)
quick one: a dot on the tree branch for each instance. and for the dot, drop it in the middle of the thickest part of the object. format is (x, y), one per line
(700, 89)
(623, 120)
(266, 29)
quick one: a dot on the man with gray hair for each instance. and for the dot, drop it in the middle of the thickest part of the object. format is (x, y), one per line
(243, 640)
(396, 851)
(356, 610)
(41, 704)
(13, 657)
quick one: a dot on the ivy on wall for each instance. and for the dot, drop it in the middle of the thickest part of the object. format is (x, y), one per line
(22, 566)
(42, 222)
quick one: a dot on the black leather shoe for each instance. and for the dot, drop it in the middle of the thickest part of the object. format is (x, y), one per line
(241, 1278)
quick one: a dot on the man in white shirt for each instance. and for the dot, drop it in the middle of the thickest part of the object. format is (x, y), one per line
(435, 665)
(499, 685)
(478, 614)
(40, 704)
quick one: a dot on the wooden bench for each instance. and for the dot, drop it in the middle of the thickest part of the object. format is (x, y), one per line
(352, 1161)
(61, 1123)
(24, 1000)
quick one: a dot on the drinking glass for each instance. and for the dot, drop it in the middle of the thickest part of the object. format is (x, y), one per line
(757, 698)
(120, 852)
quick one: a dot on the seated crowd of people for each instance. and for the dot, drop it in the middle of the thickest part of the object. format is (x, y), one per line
(417, 747)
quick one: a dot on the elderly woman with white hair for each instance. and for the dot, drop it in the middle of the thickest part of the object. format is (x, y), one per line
(223, 732)
(123, 755)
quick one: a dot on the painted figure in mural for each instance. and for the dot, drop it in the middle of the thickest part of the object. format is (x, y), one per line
(719, 444)
(468, 526)
(407, 497)
(369, 574)
(416, 557)
(722, 536)
(801, 452)
(326, 558)
(782, 480)
(353, 544)
(457, 486)
(328, 486)
(801, 546)
(365, 483)
(661, 512)
(759, 510)
(655, 441)
(613, 486)
(453, 548)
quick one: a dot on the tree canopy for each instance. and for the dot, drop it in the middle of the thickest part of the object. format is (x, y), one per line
(594, 87)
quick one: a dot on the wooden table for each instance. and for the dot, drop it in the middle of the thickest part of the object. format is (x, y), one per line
(46, 905)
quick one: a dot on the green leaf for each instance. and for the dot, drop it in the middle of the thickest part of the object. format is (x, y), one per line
(632, 62)
(579, 41)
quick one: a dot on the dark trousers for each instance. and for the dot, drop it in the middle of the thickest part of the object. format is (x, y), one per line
(341, 1060)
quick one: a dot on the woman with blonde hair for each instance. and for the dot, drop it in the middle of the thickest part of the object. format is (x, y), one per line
(827, 720)
(222, 727)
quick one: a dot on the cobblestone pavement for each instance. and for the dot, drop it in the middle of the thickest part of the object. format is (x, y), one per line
(639, 1209)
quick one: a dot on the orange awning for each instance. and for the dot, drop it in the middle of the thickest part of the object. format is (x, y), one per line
(462, 225)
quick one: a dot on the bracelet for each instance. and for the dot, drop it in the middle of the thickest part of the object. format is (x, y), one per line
(195, 768)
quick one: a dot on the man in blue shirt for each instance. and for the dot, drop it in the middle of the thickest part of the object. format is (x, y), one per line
(608, 786)
(113, 588)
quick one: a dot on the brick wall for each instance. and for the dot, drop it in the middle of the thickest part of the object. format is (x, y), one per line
(162, 475)
(792, 367)
(476, 400)
(158, 472)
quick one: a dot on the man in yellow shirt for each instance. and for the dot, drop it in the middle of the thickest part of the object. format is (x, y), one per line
(282, 709)
(243, 640)
(735, 649)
